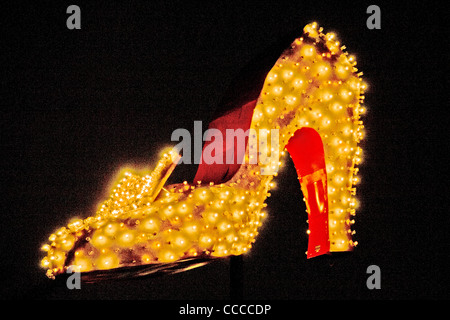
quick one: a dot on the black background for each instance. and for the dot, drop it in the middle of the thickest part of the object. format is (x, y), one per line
(78, 104)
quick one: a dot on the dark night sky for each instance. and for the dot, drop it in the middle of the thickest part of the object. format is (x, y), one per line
(78, 104)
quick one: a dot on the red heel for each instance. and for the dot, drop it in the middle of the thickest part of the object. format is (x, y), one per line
(306, 150)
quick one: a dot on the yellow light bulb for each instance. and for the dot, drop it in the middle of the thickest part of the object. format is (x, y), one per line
(107, 260)
(126, 238)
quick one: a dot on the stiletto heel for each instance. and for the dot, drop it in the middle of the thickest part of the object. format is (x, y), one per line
(309, 103)
(306, 150)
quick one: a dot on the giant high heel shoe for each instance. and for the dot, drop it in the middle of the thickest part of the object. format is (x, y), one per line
(310, 103)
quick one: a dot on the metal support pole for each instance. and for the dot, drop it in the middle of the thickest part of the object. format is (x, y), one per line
(236, 277)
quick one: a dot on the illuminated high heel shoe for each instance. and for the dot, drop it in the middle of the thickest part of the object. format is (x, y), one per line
(309, 105)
